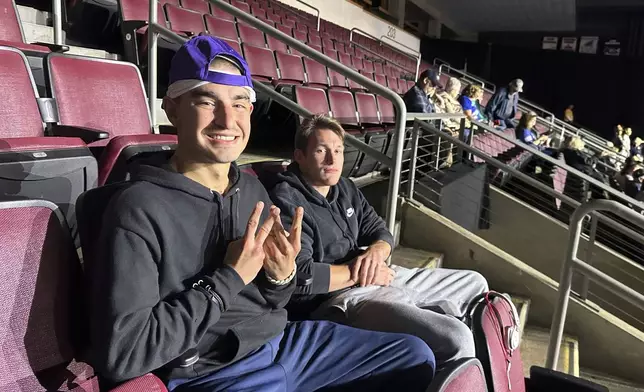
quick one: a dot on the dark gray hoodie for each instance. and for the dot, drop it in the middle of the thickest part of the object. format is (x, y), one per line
(333, 229)
(162, 233)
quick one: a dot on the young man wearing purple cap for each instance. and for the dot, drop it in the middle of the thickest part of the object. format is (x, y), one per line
(194, 270)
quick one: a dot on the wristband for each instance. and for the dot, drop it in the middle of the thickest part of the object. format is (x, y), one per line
(282, 282)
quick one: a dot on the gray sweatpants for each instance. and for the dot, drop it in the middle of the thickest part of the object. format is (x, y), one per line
(427, 303)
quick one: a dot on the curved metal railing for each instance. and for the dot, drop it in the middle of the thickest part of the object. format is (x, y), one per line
(154, 30)
(572, 263)
(416, 52)
(362, 32)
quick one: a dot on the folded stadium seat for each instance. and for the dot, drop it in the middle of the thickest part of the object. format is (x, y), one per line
(345, 59)
(233, 44)
(341, 47)
(249, 35)
(104, 95)
(356, 63)
(257, 11)
(312, 99)
(184, 21)
(219, 13)
(316, 75)
(301, 27)
(200, 6)
(221, 28)
(11, 31)
(291, 69)
(337, 80)
(134, 20)
(42, 285)
(286, 30)
(301, 36)
(240, 5)
(33, 166)
(274, 17)
(349, 49)
(375, 135)
(288, 22)
(402, 86)
(261, 63)
(331, 53)
(380, 79)
(361, 54)
(367, 74)
(367, 65)
(314, 39)
(328, 43)
(325, 35)
(392, 83)
(276, 45)
(343, 109)
(377, 68)
(486, 98)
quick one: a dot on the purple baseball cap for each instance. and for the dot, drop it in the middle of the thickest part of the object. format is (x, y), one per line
(190, 66)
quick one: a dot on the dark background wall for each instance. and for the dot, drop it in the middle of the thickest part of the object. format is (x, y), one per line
(605, 90)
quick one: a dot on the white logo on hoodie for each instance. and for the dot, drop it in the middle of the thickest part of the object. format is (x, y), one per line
(350, 212)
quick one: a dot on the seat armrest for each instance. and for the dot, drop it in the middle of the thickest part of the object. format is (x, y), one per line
(167, 129)
(88, 135)
(148, 383)
(53, 47)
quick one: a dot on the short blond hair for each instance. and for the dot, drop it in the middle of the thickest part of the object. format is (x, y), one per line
(576, 143)
(315, 123)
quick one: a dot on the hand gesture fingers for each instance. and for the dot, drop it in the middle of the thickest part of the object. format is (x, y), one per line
(295, 235)
(253, 221)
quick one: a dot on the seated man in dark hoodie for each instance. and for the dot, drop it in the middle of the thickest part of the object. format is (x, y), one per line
(355, 286)
(503, 106)
(186, 265)
(418, 99)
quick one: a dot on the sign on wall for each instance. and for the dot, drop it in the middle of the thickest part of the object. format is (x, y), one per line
(569, 44)
(550, 43)
(612, 48)
(588, 45)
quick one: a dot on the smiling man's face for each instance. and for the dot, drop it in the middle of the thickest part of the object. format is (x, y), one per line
(213, 120)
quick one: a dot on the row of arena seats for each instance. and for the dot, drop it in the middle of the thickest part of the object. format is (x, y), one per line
(96, 121)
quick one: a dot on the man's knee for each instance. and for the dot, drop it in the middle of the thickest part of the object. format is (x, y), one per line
(479, 281)
(459, 343)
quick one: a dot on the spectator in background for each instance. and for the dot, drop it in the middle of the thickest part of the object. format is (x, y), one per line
(634, 185)
(617, 138)
(569, 116)
(470, 102)
(503, 107)
(526, 133)
(637, 147)
(417, 99)
(447, 102)
(626, 139)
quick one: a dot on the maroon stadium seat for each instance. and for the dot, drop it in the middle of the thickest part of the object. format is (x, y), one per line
(336, 79)
(343, 107)
(276, 45)
(316, 73)
(316, 47)
(240, 5)
(288, 23)
(312, 99)
(258, 12)
(345, 59)
(251, 36)
(32, 165)
(291, 68)
(367, 109)
(314, 39)
(331, 53)
(300, 36)
(261, 62)
(356, 63)
(328, 43)
(11, 29)
(42, 320)
(107, 96)
(286, 30)
(221, 14)
(376, 136)
(302, 27)
(234, 44)
(184, 21)
(200, 6)
(392, 83)
(386, 109)
(221, 28)
(377, 68)
(275, 18)
(381, 79)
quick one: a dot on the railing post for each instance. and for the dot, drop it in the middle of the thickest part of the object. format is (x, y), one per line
(412, 163)
(583, 293)
(153, 38)
(561, 307)
(57, 10)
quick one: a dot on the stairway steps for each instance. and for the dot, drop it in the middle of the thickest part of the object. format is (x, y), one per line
(416, 258)
(534, 347)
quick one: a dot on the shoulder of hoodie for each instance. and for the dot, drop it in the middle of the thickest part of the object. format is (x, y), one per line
(250, 185)
(284, 192)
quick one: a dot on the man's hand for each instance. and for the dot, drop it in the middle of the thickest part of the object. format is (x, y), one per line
(363, 268)
(246, 255)
(384, 275)
(281, 248)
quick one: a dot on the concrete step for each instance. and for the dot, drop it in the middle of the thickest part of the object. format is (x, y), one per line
(416, 258)
(534, 346)
(33, 16)
(612, 383)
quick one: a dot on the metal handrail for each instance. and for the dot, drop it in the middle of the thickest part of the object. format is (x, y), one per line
(379, 55)
(355, 29)
(316, 10)
(57, 16)
(518, 174)
(401, 111)
(416, 52)
(572, 262)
